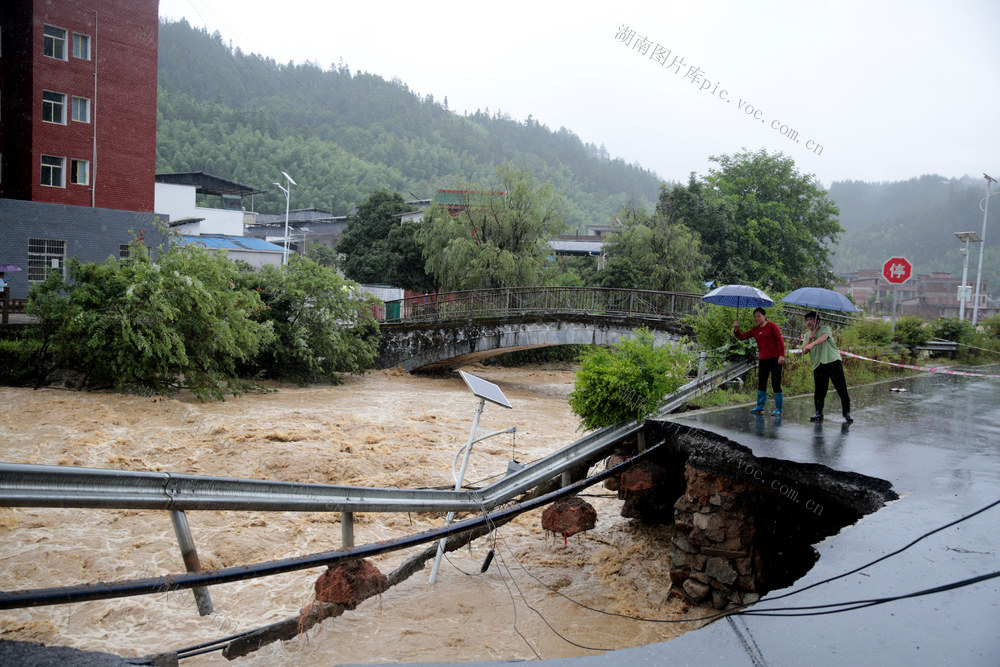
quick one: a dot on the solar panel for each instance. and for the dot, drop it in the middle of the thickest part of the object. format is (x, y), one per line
(485, 389)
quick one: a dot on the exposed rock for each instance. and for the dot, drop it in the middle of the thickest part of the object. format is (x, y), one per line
(643, 476)
(569, 516)
(720, 570)
(350, 582)
(613, 483)
(696, 590)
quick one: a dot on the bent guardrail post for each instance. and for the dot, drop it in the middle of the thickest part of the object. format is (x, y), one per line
(191, 562)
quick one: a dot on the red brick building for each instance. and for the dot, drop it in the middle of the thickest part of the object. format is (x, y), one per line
(928, 295)
(78, 102)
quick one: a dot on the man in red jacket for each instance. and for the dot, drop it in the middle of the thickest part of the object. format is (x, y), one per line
(771, 357)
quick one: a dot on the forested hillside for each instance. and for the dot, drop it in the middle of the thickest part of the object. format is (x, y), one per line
(342, 135)
(917, 219)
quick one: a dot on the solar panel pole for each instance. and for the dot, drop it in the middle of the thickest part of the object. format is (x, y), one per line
(484, 391)
(288, 201)
(458, 486)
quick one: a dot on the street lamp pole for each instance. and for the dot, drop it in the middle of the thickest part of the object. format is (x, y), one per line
(979, 272)
(288, 199)
(963, 293)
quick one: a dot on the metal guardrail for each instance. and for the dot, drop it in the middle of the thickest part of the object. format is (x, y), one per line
(30, 485)
(703, 384)
(508, 301)
(939, 345)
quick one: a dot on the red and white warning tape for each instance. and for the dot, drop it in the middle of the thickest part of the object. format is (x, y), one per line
(931, 369)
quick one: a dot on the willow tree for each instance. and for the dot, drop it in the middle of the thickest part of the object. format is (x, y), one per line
(492, 234)
(652, 252)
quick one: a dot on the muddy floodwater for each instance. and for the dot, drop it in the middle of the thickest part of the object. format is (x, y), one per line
(387, 428)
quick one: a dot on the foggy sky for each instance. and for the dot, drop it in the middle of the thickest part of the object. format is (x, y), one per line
(873, 91)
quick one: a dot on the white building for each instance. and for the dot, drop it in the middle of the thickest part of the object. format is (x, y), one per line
(176, 196)
(220, 228)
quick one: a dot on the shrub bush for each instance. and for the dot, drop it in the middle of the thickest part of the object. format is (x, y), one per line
(912, 331)
(876, 333)
(948, 328)
(627, 381)
(178, 321)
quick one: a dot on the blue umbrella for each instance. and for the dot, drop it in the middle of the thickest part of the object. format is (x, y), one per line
(821, 299)
(738, 296)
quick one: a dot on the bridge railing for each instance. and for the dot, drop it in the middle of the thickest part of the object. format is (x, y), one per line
(507, 301)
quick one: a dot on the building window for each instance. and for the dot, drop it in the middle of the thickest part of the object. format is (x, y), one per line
(124, 250)
(52, 171)
(81, 46)
(45, 256)
(81, 109)
(79, 172)
(53, 107)
(54, 42)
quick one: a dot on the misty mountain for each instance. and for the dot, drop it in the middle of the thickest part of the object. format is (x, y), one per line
(916, 219)
(342, 134)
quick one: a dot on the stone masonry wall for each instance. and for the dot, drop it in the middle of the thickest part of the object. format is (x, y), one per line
(714, 558)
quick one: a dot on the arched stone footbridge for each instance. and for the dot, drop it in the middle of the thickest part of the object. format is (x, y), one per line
(457, 328)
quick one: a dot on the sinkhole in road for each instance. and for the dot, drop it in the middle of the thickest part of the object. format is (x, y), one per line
(743, 525)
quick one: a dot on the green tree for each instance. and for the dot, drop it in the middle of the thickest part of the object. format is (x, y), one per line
(498, 238)
(652, 252)
(760, 220)
(323, 324)
(378, 248)
(912, 331)
(322, 255)
(692, 205)
(135, 323)
(627, 381)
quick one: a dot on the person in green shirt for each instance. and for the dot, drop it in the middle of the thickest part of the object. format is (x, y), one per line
(827, 366)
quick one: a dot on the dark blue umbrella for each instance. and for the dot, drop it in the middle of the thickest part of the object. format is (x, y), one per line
(738, 296)
(820, 299)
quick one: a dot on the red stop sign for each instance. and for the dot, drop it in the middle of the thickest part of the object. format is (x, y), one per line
(897, 270)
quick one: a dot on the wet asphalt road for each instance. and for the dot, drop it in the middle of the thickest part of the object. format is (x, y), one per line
(938, 443)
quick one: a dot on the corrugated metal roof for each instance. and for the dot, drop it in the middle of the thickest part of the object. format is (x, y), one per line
(233, 243)
(589, 247)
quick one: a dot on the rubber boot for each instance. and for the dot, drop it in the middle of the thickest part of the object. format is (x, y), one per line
(761, 401)
(818, 417)
(779, 399)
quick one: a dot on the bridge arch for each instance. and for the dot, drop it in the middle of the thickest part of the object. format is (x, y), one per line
(452, 344)
(455, 328)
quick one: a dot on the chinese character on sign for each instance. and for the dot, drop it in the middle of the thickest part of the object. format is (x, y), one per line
(897, 270)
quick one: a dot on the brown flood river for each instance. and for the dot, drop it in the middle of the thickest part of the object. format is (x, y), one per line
(386, 428)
